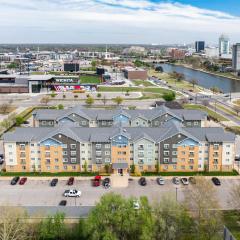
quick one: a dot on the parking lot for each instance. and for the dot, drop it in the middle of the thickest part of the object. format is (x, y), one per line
(37, 192)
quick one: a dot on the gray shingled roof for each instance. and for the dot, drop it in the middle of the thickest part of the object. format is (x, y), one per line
(105, 134)
(98, 114)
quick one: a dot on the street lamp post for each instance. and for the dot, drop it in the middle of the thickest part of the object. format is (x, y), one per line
(176, 194)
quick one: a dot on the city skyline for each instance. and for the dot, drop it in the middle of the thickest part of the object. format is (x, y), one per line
(113, 21)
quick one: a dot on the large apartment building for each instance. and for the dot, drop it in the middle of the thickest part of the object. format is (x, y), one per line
(171, 147)
(83, 117)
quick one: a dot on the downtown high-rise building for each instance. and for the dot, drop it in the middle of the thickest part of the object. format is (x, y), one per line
(224, 45)
(236, 57)
(199, 46)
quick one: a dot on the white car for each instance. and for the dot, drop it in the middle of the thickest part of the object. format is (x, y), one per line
(136, 205)
(160, 181)
(72, 193)
(184, 181)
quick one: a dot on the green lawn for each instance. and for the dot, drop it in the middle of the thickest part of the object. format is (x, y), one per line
(145, 83)
(133, 89)
(207, 110)
(232, 222)
(172, 82)
(90, 79)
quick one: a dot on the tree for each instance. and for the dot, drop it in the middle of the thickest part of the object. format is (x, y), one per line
(159, 69)
(53, 94)
(19, 120)
(215, 89)
(236, 108)
(89, 101)
(115, 218)
(52, 228)
(45, 100)
(85, 167)
(4, 108)
(104, 100)
(107, 168)
(99, 95)
(169, 96)
(172, 220)
(13, 224)
(118, 100)
(94, 63)
(203, 203)
(193, 82)
(60, 106)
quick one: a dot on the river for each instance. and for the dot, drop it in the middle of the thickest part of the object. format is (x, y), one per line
(205, 80)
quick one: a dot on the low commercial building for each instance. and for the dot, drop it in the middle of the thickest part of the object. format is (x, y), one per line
(84, 117)
(135, 73)
(172, 148)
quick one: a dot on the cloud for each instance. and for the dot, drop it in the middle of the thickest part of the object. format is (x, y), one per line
(116, 21)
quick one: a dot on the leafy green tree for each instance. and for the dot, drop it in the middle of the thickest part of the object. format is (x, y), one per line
(89, 101)
(115, 218)
(118, 100)
(172, 220)
(13, 65)
(60, 106)
(19, 120)
(170, 96)
(52, 228)
(202, 201)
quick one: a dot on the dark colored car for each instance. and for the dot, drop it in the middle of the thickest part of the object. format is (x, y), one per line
(70, 181)
(15, 180)
(63, 203)
(192, 180)
(143, 181)
(106, 182)
(216, 181)
(54, 182)
(22, 181)
(97, 181)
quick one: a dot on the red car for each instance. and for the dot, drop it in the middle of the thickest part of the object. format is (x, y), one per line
(70, 181)
(22, 181)
(97, 181)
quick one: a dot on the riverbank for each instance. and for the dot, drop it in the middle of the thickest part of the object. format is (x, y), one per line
(204, 71)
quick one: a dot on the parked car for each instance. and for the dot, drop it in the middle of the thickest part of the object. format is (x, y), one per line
(184, 181)
(192, 180)
(143, 181)
(72, 193)
(176, 180)
(70, 181)
(63, 203)
(216, 181)
(54, 182)
(15, 180)
(22, 181)
(97, 181)
(1, 159)
(106, 183)
(136, 204)
(160, 181)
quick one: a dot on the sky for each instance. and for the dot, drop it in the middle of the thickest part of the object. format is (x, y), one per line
(119, 21)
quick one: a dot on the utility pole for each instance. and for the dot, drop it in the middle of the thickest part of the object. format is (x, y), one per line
(176, 194)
